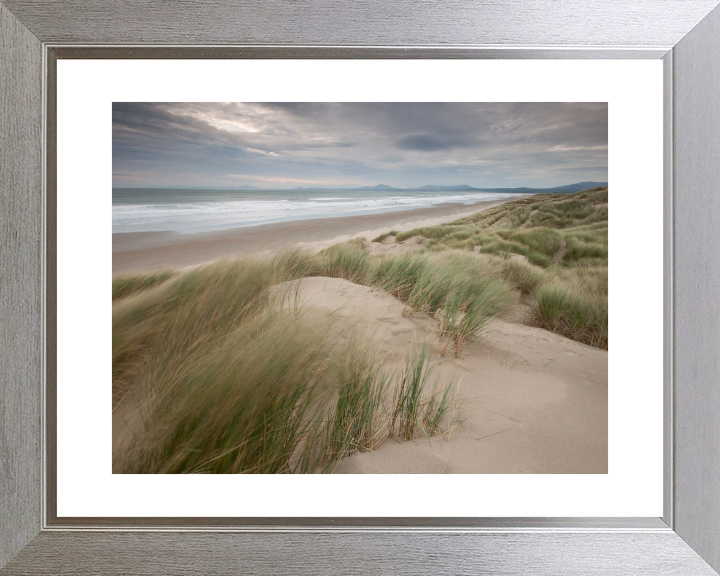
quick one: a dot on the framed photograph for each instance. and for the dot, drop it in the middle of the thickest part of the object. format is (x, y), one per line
(372, 245)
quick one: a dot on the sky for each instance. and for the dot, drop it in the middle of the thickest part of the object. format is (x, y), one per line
(317, 144)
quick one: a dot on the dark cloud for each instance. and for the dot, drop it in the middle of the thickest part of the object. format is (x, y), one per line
(427, 143)
(403, 144)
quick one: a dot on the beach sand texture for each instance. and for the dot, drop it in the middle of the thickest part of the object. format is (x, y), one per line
(534, 401)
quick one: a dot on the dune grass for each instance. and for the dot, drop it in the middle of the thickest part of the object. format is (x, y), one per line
(398, 275)
(572, 312)
(413, 411)
(241, 405)
(126, 284)
(357, 422)
(385, 235)
(348, 260)
(559, 246)
(458, 288)
(224, 381)
(522, 275)
(532, 224)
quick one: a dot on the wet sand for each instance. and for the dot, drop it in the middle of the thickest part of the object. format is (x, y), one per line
(144, 251)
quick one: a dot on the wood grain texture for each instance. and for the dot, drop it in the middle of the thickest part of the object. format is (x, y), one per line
(77, 553)
(20, 284)
(368, 22)
(697, 288)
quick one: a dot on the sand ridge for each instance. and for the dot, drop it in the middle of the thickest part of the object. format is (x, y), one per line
(534, 401)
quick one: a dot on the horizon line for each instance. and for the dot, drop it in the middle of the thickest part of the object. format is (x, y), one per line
(345, 187)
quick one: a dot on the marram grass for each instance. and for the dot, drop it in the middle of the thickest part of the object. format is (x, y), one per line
(225, 381)
(553, 248)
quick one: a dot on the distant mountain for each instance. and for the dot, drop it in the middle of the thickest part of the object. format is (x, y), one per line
(568, 188)
(428, 188)
(464, 187)
(434, 188)
(577, 187)
(378, 187)
(521, 190)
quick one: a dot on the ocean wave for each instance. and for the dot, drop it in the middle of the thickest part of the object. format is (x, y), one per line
(197, 216)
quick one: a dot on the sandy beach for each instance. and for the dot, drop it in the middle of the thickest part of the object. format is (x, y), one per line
(533, 401)
(144, 251)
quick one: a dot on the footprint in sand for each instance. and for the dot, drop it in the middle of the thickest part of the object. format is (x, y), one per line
(569, 352)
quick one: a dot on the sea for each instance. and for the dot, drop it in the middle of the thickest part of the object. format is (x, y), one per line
(198, 210)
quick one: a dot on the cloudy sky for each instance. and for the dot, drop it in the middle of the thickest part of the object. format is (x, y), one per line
(284, 145)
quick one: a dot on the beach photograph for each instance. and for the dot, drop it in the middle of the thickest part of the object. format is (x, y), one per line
(360, 288)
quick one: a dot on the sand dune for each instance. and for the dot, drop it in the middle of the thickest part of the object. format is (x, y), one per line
(535, 402)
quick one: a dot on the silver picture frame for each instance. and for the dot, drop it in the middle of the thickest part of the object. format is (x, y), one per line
(685, 34)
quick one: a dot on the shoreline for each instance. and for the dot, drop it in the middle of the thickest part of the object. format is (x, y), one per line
(147, 251)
